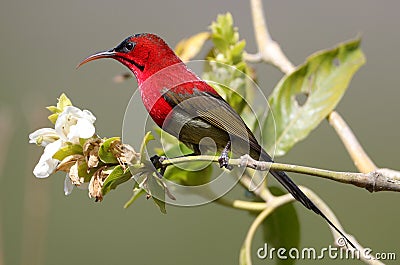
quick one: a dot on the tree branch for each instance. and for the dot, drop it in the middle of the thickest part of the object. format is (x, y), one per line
(270, 52)
(268, 49)
(374, 181)
(245, 253)
(358, 155)
(242, 205)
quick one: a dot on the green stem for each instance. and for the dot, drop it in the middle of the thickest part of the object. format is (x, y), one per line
(242, 205)
(344, 177)
(245, 253)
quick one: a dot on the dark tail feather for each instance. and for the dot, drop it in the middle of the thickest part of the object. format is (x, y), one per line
(284, 179)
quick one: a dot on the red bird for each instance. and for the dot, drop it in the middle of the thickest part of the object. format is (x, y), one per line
(187, 107)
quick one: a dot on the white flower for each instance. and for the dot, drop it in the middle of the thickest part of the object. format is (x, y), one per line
(43, 136)
(74, 123)
(71, 125)
(68, 186)
(47, 164)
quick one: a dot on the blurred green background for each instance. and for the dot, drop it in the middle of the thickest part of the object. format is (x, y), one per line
(41, 43)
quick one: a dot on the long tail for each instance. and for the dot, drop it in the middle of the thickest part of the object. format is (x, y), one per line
(284, 179)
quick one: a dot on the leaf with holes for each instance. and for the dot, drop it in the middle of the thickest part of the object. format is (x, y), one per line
(323, 79)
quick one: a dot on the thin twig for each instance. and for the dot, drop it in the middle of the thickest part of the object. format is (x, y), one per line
(268, 49)
(242, 205)
(247, 182)
(358, 155)
(270, 52)
(272, 205)
(378, 180)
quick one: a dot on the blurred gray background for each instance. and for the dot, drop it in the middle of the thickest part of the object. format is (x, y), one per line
(41, 43)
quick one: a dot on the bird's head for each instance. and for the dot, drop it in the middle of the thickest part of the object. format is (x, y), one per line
(144, 54)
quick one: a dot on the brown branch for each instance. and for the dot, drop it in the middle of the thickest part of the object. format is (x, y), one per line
(374, 181)
(268, 49)
(358, 155)
(270, 52)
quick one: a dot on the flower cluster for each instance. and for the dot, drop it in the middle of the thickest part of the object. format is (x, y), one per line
(93, 163)
(71, 125)
(73, 147)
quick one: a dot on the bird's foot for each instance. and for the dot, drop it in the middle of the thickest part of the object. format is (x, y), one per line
(157, 160)
(223, 160)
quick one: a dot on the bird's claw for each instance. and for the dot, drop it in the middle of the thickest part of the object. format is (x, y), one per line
(157, 160)
(223, 160)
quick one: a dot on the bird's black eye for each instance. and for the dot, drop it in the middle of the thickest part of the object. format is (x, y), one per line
(129, 46)
(126, 46)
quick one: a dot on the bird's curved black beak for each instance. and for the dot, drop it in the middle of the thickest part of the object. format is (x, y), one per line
(99, 55)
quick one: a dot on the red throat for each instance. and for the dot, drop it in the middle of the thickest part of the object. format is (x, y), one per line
(154, 85)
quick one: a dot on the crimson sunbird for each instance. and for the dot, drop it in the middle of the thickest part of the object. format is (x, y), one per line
(184, 105)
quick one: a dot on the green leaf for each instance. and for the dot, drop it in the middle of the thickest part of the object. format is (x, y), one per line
(156, 189)
(229, 83)
(171, 146)
(83, 171)
(140, 168)
(160, 204)
(237, 52)
(190, 174)
(105, 153)
(223, 33)
(117, 176)
(53, 118)
(69, 149)
(282, 228)
(146, 139)
(137, 192)
(219, 43)
(53, 109)
(323, 79)
(63, 102)
(226, 67)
